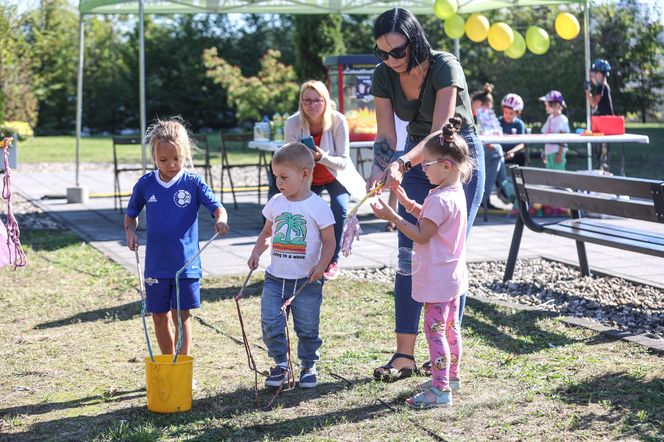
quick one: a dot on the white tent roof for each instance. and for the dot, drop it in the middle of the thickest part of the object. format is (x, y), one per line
(294, 6)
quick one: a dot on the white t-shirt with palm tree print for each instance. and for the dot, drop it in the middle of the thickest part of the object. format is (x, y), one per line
(296, 240)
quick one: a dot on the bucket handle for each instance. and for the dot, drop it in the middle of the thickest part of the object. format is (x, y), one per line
(178, 346)
(142, 290)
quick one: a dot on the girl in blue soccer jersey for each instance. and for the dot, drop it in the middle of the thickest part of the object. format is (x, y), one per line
(171, 195)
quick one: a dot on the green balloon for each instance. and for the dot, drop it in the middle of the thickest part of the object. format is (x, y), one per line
(444, 9)
(537, 40)
(455, 26)
(518, 47)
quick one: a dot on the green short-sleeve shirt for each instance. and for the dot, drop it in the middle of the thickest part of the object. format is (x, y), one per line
(444, 71)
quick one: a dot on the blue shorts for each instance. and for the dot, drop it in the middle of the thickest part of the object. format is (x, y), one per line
(160, 294)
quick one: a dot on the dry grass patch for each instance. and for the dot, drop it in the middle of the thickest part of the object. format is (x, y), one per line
(73, 367)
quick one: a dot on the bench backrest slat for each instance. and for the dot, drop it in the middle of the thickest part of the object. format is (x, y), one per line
(634, 209)
(634, 187)
(640, 199)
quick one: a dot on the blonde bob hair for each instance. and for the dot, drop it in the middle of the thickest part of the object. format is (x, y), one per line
(321, 90)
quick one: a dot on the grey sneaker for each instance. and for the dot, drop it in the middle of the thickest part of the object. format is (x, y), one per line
(308, 378)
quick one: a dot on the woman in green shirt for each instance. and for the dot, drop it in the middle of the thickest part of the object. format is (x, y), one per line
(425, 88)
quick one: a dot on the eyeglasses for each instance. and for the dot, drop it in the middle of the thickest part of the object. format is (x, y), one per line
(430, 163)
(309, 102)
(397, 53)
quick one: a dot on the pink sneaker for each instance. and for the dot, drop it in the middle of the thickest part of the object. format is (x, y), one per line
(332, 271)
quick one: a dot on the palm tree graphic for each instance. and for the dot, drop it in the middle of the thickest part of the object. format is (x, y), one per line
(295, 225)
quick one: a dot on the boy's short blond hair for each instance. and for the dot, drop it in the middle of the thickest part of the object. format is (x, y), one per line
(295, 155)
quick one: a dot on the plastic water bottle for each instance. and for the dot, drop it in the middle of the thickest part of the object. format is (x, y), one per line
(278, 127)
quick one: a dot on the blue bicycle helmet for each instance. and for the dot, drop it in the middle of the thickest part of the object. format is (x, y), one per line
(601, 65)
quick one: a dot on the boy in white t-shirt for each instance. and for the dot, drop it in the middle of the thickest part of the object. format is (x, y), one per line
(300, 227)
(556, 123)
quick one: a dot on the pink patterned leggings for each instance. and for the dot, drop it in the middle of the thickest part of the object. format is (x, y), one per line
(441, 327)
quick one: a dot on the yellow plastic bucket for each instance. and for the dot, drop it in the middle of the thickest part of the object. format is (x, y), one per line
(168, 384)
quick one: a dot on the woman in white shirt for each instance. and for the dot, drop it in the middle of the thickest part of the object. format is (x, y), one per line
(334, 170)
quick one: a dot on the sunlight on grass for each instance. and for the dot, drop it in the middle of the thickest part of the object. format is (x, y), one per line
(74, 367)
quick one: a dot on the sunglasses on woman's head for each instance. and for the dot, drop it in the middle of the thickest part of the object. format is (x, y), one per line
(397, 53)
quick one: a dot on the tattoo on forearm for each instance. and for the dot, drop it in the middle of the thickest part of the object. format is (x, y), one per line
(382, 153)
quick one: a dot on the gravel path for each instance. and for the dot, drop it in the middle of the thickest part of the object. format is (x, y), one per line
(553, 286)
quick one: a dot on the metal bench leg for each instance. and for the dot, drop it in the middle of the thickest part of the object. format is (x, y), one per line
(514, 250)
(583, 258)
(581, 250)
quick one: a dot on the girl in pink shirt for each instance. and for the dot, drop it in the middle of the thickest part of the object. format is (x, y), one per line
(439, 241)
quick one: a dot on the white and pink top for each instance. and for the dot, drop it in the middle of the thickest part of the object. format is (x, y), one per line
(439, 265)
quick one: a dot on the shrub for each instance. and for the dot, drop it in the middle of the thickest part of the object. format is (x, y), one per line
(20, 128)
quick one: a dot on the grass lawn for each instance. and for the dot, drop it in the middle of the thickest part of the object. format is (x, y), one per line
(641, 160)
(72, 367)
(62, 149)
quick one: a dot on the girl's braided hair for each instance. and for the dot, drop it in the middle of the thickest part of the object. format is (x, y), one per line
(449, 144)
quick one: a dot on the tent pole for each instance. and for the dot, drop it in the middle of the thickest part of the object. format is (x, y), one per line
(141, 79)
(457, 49)
(586, 41)
(79, 95)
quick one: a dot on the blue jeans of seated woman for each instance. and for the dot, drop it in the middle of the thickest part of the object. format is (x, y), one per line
(495, 168)
(417, 186)
(306, 318)
(339, 197)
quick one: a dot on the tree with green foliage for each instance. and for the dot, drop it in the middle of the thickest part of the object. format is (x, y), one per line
(358, 33)
(17, 100)
(273, 90)
(316, 37)
(52, 33)
(632, 41)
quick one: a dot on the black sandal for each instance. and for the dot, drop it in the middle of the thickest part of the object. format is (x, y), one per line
(426, 369)
(387, 373)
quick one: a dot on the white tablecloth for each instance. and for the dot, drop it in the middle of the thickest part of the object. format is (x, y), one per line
(272, 146)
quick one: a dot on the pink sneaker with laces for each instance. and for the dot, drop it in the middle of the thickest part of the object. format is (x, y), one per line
(332, 271)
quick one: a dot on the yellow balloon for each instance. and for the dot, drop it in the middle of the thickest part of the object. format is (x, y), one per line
(501, 36)
(567, 26)
(477, 27)
(445, 9)
(455, 26)
(537, 40)
(518, 48)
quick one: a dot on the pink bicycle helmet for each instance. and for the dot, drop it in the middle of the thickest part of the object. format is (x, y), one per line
(513, 101)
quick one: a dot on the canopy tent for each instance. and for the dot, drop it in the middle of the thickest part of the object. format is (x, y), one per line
(142, 7)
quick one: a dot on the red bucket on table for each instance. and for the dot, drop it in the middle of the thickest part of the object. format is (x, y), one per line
(608, 124)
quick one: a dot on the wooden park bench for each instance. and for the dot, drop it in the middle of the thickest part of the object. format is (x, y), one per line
(632, 198)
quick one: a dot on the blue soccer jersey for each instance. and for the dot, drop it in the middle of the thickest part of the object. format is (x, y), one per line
(172, 221)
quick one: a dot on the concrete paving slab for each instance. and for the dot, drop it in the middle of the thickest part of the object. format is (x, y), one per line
(98, 223)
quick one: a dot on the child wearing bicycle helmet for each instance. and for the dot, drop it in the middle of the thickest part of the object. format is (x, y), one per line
(598, 91)
(598, 94)
(512, 105)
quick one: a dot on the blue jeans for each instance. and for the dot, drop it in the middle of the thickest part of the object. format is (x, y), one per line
(495, 168)
(339, 197)
(406, 310)
(306, 318)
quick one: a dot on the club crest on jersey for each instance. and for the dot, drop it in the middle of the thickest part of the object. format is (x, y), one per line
(182, 198)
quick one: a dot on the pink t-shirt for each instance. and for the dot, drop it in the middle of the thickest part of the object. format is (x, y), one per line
(442, 274)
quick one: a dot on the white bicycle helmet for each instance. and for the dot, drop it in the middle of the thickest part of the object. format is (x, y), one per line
(513, 101)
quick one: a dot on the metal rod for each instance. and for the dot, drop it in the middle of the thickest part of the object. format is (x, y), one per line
(178, 345)
(586, 41)
(79, 94)
(141, 79)
(457, 49)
